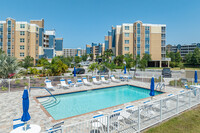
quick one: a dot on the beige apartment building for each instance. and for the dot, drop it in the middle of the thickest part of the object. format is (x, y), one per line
(21, 39)
(139, 38)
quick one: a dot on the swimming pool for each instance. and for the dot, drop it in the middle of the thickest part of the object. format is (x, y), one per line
(77, 103)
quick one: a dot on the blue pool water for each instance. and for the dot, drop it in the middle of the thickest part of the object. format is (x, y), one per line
(73, 104)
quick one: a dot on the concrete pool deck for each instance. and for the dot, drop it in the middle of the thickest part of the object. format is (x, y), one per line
(11, 105)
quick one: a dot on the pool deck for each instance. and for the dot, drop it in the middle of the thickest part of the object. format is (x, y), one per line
(11, 105)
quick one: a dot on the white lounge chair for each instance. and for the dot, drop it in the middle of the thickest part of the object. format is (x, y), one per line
(79, 82)
(70, 82)
(95, 81)
(48, 84)
(56, 128)
(86, 82)
(63, 83)
(104, 80)
(114, 80)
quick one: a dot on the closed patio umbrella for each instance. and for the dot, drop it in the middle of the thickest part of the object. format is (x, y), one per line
(25, 102)
(152, 92)
(195, 77)
(125, 70)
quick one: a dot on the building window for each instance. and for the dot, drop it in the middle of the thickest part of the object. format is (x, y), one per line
(21, 39)
(8, 46)
(21, 47)
(126, 41)
(13, 40)
(36, 35)
(12, 46)
(22, 26)
(13, 25)
(1, 39)
(36, 28)
(126, 48)
(36, 41)
(8, 39)
(147, 28)
(1, 32)
(126, 27)
(163, 29)
(12, 32)
(22, 54)
(126, 34)
(1, 25)
(22, 33)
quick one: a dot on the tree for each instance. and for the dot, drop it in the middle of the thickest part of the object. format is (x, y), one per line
(84, 57)
(56, 67)
(107, 55)
(146, 58)
(111, 66)
(27, 62)
(8, 65)
(42, 62)
(178, 57)
(118, 60)
(129, 61)
(91, 57)
(188, 58)
(92, 67)
(77, 60)
(196, 57)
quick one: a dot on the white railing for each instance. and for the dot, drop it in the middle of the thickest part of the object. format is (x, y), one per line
(135, 119)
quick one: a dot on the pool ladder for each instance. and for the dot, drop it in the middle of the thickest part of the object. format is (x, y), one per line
(160, 86)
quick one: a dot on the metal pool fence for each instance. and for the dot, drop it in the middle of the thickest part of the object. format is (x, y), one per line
(135, 119)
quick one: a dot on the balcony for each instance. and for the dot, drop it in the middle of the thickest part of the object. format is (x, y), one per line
(9, 36)
(9, 29)
(166, 59)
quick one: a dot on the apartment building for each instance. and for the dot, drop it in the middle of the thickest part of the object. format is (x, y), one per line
(139, 38)
(21, 39)
(182, 49)
(95, 49)
(73, 52)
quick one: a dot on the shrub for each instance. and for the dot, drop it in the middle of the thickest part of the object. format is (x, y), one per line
(4, 88)
(17, 81)
(24, 77)
(42, 84)
(26, 84)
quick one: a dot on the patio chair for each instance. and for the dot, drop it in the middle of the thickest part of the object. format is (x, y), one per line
(86, 82)
(17, 123)
(79, 82)
(121, 77)
(95, 81)
(48, 84)
(187, 87)
(114, 80)
(104, 80)
(63, 83)
(70, 82)
(56, 128)
(102, 122)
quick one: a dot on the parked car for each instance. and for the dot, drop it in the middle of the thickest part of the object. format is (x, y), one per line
(132, 69)
(79, 71)
(167, 73)
(105, 71)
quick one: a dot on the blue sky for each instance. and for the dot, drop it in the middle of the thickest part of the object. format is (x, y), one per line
(82, 22)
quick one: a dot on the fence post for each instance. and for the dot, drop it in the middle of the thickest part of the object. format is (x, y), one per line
(189, 99)
(192, 81)
(108, 117)
(139, 119)
(161, 110)
(9, 85)
(177, 109)
(29, 82)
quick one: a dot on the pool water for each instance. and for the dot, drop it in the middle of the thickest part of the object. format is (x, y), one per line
(77, 103)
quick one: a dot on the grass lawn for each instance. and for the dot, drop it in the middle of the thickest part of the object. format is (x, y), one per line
(188, 122)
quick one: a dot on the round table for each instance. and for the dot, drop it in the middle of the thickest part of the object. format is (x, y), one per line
(32, 129)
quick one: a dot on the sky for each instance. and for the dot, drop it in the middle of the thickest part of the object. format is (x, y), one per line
(82, 22)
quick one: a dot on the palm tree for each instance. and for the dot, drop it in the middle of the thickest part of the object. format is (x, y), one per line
(92, 67)
(27, 62)
(8, 65)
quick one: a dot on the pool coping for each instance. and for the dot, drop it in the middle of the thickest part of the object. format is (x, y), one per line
(53, 120)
